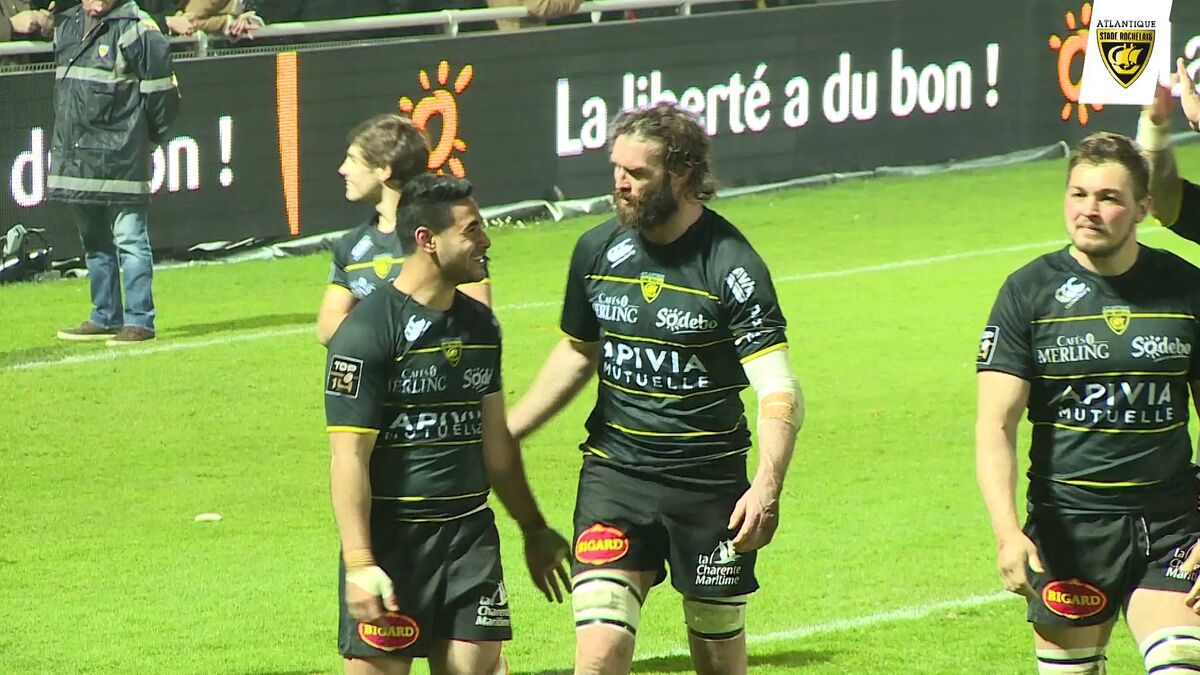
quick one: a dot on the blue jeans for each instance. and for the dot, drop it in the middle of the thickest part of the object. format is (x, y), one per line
(112, 235)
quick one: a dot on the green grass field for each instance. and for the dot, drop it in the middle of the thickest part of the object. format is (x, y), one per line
(886, 284)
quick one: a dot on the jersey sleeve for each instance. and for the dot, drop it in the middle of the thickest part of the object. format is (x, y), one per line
(1188, 223)
(358, 366)
(1006, 342)
(337, 270)
(578, 318)
(749, 301)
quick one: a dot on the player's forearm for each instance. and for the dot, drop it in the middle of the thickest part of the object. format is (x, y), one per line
(561, 378)
(506, 473)
(1166, 190)
(350, 489)
(776, 444)
(996, 472)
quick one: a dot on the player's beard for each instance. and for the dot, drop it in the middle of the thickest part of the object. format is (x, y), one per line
(1105, 249)
(648, 212)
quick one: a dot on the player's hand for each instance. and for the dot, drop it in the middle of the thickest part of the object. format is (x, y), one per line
(1192, 599)
(1187, 94)
(1013, 555)
(755, 517)
(1160, 109)
(181, 24)
(545, 555)
(365, 588)
(29, 21)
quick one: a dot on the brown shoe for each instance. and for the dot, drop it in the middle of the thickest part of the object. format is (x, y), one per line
(130, 335)
(87, 332)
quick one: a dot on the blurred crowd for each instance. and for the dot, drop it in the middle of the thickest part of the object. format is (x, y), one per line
(237, 20)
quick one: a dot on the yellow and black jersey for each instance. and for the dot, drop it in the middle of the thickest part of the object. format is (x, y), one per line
(366, 258)
(1109, 361)
(417, 376)
(675, 323)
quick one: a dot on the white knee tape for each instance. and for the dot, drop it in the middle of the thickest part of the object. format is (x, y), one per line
(1084, 661)
(715, 618)
(604, 598)
(1172, 651)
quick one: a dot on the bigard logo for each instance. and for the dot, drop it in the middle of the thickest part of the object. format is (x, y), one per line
(393, 632)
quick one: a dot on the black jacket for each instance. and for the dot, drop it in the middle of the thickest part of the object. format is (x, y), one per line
(114, 97)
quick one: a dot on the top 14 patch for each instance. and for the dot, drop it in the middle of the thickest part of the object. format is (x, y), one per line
(987, 345)
(344, 376)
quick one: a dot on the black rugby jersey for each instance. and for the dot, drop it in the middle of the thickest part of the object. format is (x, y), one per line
(675, 323)
(1109, 361)
(418, 376)
(365, 259)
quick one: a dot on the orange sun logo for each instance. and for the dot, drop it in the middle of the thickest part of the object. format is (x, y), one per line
(1074, 45)
(443, 103)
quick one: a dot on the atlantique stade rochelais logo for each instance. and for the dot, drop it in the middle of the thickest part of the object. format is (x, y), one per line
(442, 102)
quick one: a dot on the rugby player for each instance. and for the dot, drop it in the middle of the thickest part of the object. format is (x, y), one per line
(1096, 344)
(385, 151)
(675, 310)
(416, 421)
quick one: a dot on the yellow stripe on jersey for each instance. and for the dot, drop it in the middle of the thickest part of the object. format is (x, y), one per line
(418, 444)
(1174, 373)
(482, 282)
(372, 263)
(764, 352)
(1069, 427)
(351, 430)
(1098, 484)
(1134, 315)
(674, 287)
(597, 451)
(652, 394)
(682, 434)
(656, 341)
(441, 498)
(472, 512)
(572, 338)
(439, 404)
(432, 350)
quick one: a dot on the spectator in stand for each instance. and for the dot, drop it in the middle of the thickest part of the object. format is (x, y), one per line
(215, 17)
(19, 22)
(539, 11)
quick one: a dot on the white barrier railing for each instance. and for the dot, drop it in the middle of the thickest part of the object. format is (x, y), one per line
(449, 20)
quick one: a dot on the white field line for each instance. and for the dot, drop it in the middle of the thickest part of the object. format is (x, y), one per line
(902, 614)
(249, 336)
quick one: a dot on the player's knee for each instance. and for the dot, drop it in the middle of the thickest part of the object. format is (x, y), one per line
(1082, 661)
(715, 618)
(603, 598)
(1172, 651)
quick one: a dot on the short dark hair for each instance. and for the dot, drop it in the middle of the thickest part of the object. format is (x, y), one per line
(1104, 147)
(685, 146)
(426, 202)
(393, 141)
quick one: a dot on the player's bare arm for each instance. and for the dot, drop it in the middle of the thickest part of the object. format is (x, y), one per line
(335, 307)
(368, 588)
(780, 415)
(568, 368)
(545, 549)
(1166, 188)
(1002, 400)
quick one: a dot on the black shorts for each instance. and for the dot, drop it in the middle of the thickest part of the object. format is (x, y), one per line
(449, 585)
(627, 521)
(1094, 561)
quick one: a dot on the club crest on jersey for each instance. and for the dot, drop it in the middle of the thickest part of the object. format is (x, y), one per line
(453, 351)
(1071, 292)
(381, 267)
(102, 51)
(652, 285)
(1126, 53)
(1118, 319)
